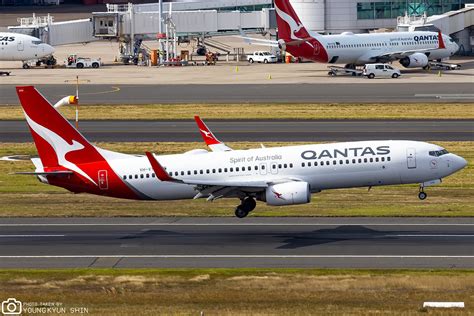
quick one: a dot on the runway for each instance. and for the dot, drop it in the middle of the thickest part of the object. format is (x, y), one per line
(260, 131)
(230, 242)
(242, 93)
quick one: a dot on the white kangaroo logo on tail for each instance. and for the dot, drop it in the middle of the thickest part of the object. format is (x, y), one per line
(294, 26)
(60, 146)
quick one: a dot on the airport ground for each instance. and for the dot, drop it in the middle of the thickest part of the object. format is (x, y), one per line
(408, 241)
(243, 292)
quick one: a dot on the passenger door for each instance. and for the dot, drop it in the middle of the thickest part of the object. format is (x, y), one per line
(411, 158)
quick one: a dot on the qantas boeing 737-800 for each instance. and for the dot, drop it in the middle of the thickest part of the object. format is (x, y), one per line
(412, 49)
(277, 176)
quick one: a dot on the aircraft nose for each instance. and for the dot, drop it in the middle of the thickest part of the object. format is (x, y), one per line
(459, 162)
(50, 49)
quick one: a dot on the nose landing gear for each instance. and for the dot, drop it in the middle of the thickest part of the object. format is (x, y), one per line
(422, 195)
(246, 206)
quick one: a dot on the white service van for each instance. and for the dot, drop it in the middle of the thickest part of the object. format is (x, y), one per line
(380, 70)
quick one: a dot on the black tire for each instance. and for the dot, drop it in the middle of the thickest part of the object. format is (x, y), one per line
(80, 65)
(448, 68)
(265, 61)
(240, 213)
(251, 60)
(371, 76)
(95, 65)
(248, 204)
(26, 66)
(395, 76)
(422, 195)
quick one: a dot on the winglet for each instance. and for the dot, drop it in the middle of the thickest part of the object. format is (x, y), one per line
(206, 133)
(159, 170)
(441, 41)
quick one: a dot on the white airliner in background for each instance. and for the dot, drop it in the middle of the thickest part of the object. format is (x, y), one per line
(412, 49)
(277, 176)
(15, 46)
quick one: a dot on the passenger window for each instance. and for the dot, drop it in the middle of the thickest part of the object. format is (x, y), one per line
(195, 172)
(371, 159)
(334, 162)
(360, 160)
(220, 170)
(353, 161)
(213, 170)
(231, 169)
(182, 173)
(341, 162)
(303, 164)
(225, 169)
(382, 159)
(327, 163)
(377, 159)
(388, 158)
(189, 172)
(201, 171)
(141, 176)
(125, 177)
(279, 166)
(152, 175)
(285, 166)
(236, 169)
(136, 176)
(291, 165)
(315, 163)
(147, 175)
(256, 168)
(365, 160)
(347, 161)
(208, 171)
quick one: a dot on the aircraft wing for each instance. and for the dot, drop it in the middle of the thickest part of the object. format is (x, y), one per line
(211, 141)
(210, 188)
(46, 173)
(402, 54)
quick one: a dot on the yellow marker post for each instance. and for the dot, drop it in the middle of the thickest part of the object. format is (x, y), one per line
(439, 73)
(236, 68)
(269, 77)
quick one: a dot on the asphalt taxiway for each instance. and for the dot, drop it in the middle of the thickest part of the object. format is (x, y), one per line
(260, 130)
(242, 93)
(232, 242)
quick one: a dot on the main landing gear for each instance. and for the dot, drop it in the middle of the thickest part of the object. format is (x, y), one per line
(422, 195)
(246, 206)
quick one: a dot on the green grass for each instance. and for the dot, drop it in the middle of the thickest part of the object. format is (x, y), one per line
(25, 196)
(242, 291)
(261, 111)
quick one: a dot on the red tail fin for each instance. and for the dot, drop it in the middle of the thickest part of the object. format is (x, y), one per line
(57, 141)
(441, 41)
(297, 40)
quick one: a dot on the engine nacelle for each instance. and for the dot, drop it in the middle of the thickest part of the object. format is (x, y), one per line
(288, 193)
(282, 45)
(414, 61)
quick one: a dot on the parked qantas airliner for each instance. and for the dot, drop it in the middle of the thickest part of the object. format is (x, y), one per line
(21, 47)
(412, 49)
(277, 176)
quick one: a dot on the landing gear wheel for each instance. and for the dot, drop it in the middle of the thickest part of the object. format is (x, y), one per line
(240, 213)
(248, 204)
(26, 66)
(422, 195)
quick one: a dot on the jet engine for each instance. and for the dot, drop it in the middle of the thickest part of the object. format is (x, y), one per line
(282, 45)
(414, 61)
(288, 193)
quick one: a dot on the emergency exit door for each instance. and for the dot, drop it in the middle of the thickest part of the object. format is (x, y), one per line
(411, 158)
(103, 181)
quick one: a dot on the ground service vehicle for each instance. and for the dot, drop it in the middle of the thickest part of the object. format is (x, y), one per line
(81, 62)
(372, 71)
(262, 57)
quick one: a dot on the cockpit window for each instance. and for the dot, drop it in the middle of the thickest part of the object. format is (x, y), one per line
(437, 153)
(36, 42)
(451, 40)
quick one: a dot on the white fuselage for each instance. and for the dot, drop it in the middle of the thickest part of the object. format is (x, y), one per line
(20, 47)
(360, 49)
(324, 166)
